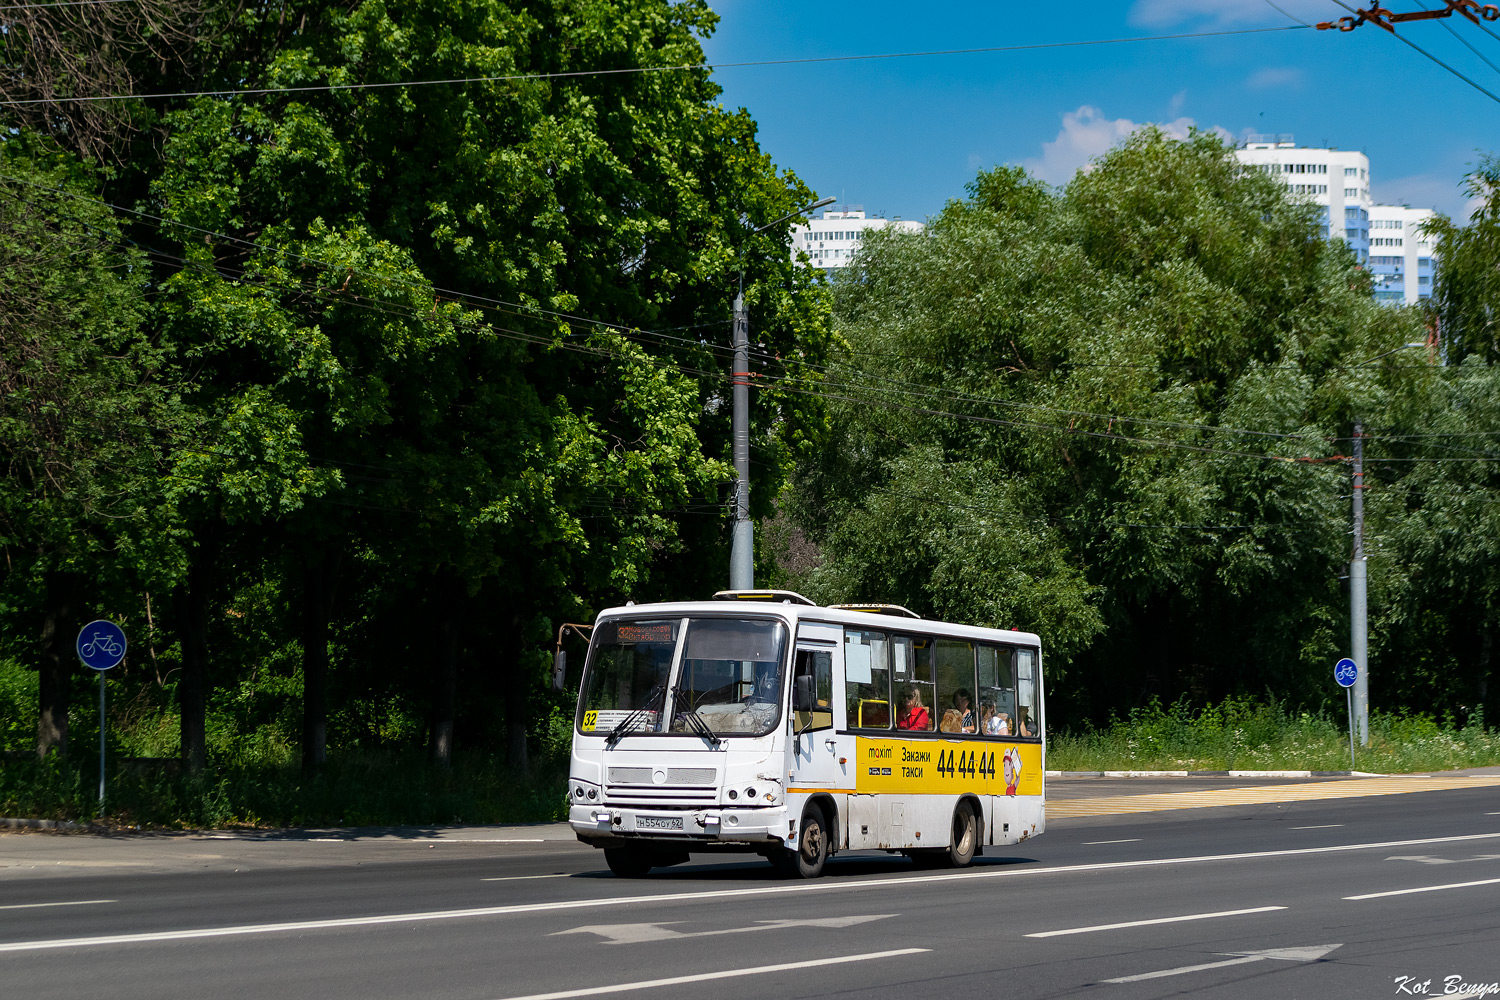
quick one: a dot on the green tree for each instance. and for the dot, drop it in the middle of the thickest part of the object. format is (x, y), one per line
(462, 335)
(83, 419)
(1111, 414)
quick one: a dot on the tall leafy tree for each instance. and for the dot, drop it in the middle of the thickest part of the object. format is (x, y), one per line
(1114, 414)
(83, 418)
(465, 331)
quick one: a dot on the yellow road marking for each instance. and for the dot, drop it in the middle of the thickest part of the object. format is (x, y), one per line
(1110, 805)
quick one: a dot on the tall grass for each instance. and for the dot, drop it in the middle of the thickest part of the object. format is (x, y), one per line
(1242, 734)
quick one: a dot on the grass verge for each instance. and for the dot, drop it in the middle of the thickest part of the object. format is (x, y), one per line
(1244, 735)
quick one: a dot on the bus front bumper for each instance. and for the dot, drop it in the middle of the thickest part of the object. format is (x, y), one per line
(602, 825)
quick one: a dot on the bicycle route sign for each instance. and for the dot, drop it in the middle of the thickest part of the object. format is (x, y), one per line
(101, 645)
(1346, 672)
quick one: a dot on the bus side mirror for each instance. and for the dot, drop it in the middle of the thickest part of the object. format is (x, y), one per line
(802, 694)
(559, 669)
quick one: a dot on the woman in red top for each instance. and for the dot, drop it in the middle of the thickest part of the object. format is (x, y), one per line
(913, 713)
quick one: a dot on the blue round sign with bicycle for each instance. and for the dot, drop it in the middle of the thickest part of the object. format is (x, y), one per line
(101, 645)
(1346, 672)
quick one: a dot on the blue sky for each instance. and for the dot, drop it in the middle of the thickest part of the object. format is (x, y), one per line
(903, 136)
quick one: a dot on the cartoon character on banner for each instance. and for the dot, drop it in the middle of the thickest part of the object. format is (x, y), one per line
(1012, 769)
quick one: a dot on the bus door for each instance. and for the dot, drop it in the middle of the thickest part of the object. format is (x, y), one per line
(815, 747)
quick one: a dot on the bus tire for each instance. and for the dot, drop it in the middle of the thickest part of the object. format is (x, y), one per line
(811, 852)
(964, 843)
(627, 862)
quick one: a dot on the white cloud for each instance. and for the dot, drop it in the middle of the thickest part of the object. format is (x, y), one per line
(1087, 134)
(1211, 14)
(1271, 77)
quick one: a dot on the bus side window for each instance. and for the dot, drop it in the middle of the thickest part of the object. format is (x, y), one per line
(915, 692)
(867, 677)
(956, 710)
(1028, 700)
(813, 672)
(997, 692)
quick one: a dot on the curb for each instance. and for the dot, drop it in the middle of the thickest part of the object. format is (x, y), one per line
(67, 825)
(1214, 774)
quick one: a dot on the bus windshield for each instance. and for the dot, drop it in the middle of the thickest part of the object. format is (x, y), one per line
(729, 676)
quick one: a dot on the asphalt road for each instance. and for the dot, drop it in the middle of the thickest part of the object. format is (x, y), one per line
(1329, 898)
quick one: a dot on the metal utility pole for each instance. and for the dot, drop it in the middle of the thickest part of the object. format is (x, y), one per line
(1359, 646)
(742, 543)
(742, 549)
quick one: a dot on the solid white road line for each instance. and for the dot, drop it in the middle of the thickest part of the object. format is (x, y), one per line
(1425, 888)
(523, 878)
(1096, 843)
(676, 898)
(704, 977)
(1157, 920)
(72, 902)
(1325, 826)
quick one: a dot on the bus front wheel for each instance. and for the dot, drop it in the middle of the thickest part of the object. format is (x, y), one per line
(627, 862)
(806, 860)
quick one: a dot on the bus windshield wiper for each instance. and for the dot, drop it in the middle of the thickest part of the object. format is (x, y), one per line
(628, 723)
(695, 721)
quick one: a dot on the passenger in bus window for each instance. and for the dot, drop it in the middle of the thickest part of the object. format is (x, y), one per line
(914, 714)
(989, 719)
(1022, 729)
(965, 710)
(1002, 724)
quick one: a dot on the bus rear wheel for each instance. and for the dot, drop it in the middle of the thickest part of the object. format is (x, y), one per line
(965, 841)
(627, 862)
(806, 860)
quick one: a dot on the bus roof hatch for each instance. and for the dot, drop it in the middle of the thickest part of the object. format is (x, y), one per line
(774, 596)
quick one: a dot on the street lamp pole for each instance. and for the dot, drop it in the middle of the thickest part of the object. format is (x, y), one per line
(742, 543)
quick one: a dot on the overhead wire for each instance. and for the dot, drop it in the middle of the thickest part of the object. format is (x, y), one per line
(1464, 41)
(636, 70)
(1407, 41)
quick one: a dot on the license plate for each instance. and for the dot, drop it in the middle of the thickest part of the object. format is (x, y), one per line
(658, 822)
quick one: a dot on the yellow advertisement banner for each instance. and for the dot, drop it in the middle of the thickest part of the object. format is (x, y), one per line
(947, 766)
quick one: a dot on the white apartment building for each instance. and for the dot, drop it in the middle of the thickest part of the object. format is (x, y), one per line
(831, 239)
(1384, 237)
(1400, 256)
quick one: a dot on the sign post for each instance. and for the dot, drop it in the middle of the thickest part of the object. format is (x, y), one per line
(1346, 672)
(101, 647)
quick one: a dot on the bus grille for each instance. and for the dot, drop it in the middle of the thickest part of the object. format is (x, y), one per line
(675, 776)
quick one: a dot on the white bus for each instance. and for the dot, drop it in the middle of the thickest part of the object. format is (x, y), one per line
(761, 722)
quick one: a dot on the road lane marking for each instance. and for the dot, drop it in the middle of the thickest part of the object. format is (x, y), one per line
(1096, 843)
(1425, 888)
(637, 933)
(522, 878)
(1156, 920)
(71, 902)
(704, 977)
(1324, 826)
(674, 898)
(1114, 805)
(1312, 954)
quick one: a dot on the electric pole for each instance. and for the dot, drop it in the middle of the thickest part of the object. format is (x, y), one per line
(742, 545)
(742, 542)
(1359, 647)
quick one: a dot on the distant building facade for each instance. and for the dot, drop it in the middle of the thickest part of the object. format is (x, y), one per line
(831, 239)
(1385, 238)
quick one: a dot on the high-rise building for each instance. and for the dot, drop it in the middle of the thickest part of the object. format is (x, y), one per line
(1384, 237)
(1400, 255)
(831, 239)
